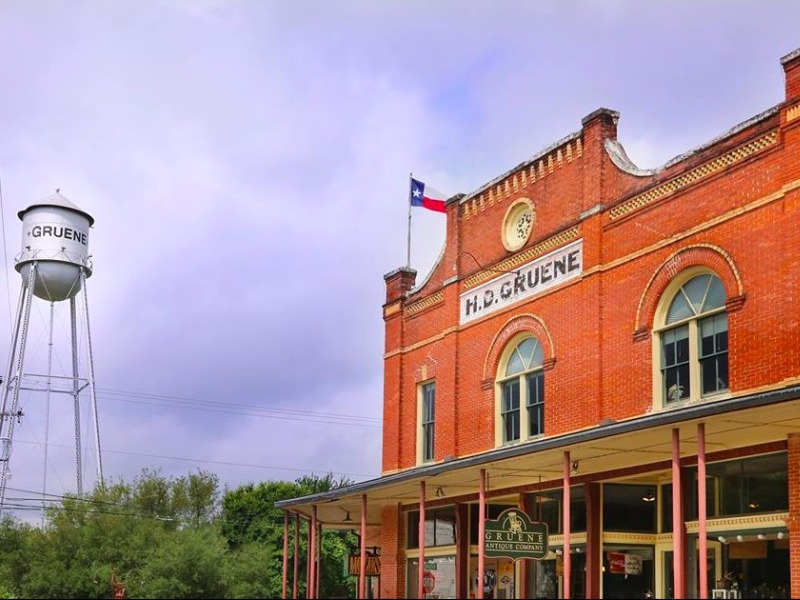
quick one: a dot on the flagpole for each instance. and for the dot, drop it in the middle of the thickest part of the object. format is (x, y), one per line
(408, 255)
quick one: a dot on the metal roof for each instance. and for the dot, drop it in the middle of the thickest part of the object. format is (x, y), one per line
(59, 201)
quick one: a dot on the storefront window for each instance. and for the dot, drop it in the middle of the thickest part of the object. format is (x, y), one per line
(438, 580)
(547, 507)
(628, 571)
(629, 507)
(753, 485)
(736, 487)
(440, 527)
(542, 579)
(498, 581)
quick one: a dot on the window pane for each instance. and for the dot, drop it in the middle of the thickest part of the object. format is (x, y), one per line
(682, 345)
(511, 396)
(716, 295)
(515, 364)
(752, 485)
(510, 410)
(535, 403)
(428, 418)
(675, 363)
(428, 437)
(547, 507)
(679, 309)
(428, 409)
(695, 290)
(538, 355)
(628, 507)
(714, 353)
(525, 349)
(511, 422)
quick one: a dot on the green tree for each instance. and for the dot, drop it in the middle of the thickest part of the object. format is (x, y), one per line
(249, 515)
(15, 555)
(245, 575)
(190, 563)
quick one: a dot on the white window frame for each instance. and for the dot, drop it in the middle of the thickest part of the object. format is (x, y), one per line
(423, 425)
(522, 377)
(660, 326)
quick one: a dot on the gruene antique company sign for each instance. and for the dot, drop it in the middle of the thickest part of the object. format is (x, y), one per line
(513, 535)
(532, 278)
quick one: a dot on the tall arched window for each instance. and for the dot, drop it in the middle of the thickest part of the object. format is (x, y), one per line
(693, 342)
(521, 391)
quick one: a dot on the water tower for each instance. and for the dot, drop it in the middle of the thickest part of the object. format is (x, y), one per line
(54, 265)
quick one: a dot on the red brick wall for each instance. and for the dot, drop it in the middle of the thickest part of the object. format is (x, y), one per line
(740, 222)
(393, 569)
(732, 206)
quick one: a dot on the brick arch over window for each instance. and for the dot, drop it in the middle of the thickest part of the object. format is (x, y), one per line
(706, 255)
(425, 370)
(520, 324)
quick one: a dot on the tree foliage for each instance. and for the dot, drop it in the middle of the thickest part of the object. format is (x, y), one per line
(168, 537)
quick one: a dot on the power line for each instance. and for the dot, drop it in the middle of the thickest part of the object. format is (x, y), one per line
(238, 409)
(213, 462)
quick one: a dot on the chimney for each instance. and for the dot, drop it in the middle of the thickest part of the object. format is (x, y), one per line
(600, 125)
(398, 282)
(791, 69)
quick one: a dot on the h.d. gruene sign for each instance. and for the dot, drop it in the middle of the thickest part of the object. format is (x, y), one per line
(528, 280)
(513, 535)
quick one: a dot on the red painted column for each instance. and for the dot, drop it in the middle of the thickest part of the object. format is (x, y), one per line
(678, 560)
(421, 561)
(312, 554)
(308, 559)
(285, 554)
(296, 550)
(701, 510)
(318, 568)
(566, 511)
(362, 575)
(481, 532)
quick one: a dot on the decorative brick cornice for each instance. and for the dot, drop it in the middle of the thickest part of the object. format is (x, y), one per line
(424, 303)
(793, 113)
(556, 156)
(676, 184)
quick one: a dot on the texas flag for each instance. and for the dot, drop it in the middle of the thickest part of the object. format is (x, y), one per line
(426, 197)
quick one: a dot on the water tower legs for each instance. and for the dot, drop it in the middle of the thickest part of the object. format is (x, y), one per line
(10, 413)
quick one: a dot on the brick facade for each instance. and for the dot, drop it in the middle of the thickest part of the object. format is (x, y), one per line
(731, 206)
(608, 246)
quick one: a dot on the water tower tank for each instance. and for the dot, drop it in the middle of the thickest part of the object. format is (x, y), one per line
(55, 234)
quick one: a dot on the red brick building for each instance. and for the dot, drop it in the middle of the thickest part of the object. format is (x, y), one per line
(613, 352)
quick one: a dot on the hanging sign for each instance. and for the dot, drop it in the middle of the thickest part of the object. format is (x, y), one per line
(513, 535)
(372, 567)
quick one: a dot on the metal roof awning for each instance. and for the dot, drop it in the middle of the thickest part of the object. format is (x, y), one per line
(642, 443)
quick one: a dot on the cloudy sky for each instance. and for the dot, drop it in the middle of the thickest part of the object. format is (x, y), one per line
(247, 165)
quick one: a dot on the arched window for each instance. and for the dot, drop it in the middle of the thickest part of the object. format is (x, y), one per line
(521, 391)
(693, 341)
